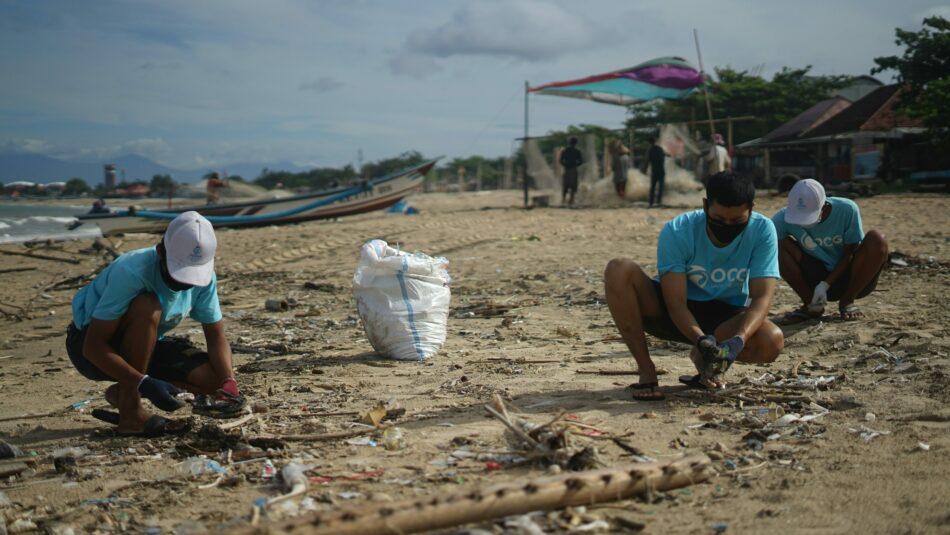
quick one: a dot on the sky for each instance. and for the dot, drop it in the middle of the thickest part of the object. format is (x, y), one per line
(197, 84)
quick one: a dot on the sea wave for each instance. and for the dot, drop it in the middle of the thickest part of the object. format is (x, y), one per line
(78, 234)
(4, 225)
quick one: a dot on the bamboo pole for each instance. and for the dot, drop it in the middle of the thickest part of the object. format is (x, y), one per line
(518, 497)
(41, 257)
(712, 129)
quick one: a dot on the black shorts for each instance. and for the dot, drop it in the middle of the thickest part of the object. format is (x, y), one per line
(708, 314)
(172, 359)
(814, 271)
(570, 180)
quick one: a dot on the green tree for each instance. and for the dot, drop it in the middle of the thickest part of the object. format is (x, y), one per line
(76, 186)
(925, 68)
(162, 184)
(735, 93)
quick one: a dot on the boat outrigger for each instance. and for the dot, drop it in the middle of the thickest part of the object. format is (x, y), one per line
(365, 197)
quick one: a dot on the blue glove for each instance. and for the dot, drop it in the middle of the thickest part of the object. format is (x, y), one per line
(730, 349)
(160, 393)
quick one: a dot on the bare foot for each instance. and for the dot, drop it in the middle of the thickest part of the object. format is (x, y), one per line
(112, 395)
(134, 422)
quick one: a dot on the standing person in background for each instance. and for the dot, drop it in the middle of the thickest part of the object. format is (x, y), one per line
(718, 157)
(571, 159)
(657, 158)
(213, 187)
(620, 161)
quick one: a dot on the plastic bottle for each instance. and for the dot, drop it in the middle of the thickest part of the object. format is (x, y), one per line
(393, 439)
(195, 466)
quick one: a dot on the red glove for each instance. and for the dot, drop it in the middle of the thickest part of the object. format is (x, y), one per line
(229, 387)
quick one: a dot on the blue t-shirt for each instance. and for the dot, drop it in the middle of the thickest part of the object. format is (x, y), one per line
(108, 296)
(717, 273)
(826, 240)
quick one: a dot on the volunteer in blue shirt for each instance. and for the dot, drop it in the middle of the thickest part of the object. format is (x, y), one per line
(718, 268)
(120, 318)
(824, 254)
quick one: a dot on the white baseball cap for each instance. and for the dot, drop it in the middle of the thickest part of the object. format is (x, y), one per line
(805, 201)
(189, 249)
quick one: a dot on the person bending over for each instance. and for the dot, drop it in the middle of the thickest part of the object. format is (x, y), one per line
(121, 317)
(824, 254)
(717, 274)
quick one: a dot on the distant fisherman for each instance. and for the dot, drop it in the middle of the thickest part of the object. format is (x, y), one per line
(824, 254)
(571, 159)
(717, 271)
(213, 188)
(121, 317)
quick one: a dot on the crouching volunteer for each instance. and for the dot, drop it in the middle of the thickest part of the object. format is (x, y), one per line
(717, 274)
(120, 318)
(824, 254)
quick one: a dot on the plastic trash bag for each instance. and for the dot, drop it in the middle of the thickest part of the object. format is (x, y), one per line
(403, 300)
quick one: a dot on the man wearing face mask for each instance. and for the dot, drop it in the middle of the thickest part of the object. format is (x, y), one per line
(717, 274)
(121, 317)
(824, 254)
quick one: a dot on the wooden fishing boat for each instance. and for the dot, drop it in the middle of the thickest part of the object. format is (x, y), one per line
(364, 197)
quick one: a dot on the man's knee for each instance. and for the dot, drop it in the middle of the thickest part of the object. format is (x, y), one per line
(771, 341)
(145, 307)
(876, 243)
(620, 272)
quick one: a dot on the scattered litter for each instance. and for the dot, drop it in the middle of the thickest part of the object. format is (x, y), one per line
(923, 446)
(720, 527)
(362, 441)
(9, 451)
(868, 434)
(870, 417)
(196, 466)
(349, 495)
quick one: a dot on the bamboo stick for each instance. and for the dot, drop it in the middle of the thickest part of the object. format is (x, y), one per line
(518, 497)
(41, 257)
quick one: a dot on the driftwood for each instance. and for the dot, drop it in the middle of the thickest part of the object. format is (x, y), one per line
(518, 497)
(17, 269)
(325, 436)
(41, 257)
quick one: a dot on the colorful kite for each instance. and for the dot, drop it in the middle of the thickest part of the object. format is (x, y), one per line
(669, 78)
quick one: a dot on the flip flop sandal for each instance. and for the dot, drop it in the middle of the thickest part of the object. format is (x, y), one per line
(647, 392)
(155, 426)
(851, 310)
(225, 407)
(798, 315)
(694, 382)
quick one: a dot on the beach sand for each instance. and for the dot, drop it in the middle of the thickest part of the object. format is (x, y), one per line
(823, 478)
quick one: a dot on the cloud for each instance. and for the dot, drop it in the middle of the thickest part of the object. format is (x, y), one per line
(526, 30)
(25, 146)
(322, 85)
(151, 66)
(412, 65)
(153, 148)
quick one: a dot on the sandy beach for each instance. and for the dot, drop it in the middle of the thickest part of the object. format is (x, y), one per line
(876, 459)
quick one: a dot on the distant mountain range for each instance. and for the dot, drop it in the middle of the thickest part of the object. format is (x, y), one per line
(44, 169)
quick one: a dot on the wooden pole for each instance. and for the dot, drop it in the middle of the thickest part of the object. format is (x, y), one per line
(524, 144)
(518, 497)
(712, 129)
(42, 257)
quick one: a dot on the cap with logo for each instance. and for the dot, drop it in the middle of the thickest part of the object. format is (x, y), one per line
(190, 245)
(805, 201)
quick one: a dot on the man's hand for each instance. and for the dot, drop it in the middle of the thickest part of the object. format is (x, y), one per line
(229, 387)
(730, 349)
(161, 393)
(819, 297)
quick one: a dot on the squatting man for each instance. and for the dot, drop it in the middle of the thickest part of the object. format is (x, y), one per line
(718, 268)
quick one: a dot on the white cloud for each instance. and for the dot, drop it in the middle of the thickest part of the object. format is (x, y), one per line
(526, 30)
(152, 148)
(26, 146)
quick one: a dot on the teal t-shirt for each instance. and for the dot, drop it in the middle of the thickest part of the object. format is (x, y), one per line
(108, 296)
(826, 240)
(717, 273)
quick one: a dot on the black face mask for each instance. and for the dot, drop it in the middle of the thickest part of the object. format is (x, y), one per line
(725, 232)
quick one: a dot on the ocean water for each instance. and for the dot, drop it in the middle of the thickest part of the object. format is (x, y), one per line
(20, 222)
